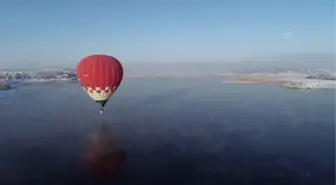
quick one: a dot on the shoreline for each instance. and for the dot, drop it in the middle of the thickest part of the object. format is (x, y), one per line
(287, 82)
(4, 87)
(260, 80)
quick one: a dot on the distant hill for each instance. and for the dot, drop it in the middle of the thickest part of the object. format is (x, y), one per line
(302, 60)
(324, 61)
(185, 69)
(5, 70)
(291, 61)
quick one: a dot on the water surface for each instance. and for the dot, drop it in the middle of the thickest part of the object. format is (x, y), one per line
(172, 131)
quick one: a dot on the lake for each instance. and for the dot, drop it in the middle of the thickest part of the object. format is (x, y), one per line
(177, 131)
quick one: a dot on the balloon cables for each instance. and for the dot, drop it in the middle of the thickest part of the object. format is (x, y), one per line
(102, 107)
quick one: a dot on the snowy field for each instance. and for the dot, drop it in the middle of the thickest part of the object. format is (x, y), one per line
(311, 82)
(293, 77)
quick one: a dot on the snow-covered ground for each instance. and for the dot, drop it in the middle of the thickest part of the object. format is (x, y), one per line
(314, 83)
(293, 77)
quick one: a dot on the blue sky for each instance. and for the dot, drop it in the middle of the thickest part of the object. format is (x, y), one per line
(46, 32)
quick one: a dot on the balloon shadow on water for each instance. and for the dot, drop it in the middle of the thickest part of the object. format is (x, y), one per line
(104, 158)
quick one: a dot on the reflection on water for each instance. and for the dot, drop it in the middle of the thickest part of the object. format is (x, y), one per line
(174, 132)
(104, 156)
(66, 158)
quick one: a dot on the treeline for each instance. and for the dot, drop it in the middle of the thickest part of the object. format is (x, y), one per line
(321, 77)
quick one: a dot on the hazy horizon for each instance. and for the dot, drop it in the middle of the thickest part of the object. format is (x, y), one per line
(300, 60)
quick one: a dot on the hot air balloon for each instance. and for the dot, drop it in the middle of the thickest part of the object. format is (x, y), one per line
(100, 76)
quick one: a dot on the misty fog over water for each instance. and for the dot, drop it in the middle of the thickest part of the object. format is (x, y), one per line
(170, 131)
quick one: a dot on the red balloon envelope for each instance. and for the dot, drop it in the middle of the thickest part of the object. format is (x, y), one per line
(100, 76)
